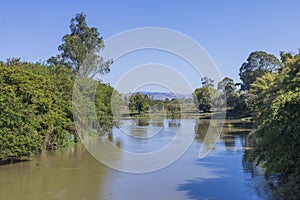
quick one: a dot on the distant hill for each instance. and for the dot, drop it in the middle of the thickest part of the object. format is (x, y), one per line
(163, 95)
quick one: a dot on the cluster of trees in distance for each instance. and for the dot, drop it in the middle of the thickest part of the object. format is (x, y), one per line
(143, 103)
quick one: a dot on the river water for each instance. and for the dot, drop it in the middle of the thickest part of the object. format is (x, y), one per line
(73, 173)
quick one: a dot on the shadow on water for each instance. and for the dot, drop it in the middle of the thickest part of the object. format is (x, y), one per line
(234, 177)
(13, 161)
(232, 180)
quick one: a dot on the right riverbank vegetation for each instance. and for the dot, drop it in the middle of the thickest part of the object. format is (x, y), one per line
(36, 104)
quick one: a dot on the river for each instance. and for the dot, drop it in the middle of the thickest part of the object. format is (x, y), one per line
(73, 173)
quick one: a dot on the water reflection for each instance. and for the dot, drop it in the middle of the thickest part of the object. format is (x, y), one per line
(63, 174)
(142, 122)
(236, 178)
(72, 173)
(256, 179)
(201, 127)
(173, 123)
(135, 138)
(157, 123)
(117, 142)
(235, 133)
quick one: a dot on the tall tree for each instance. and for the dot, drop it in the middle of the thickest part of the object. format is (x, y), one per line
(227, 86)
(228, 89)
(138, 102)
(258, 63)
(207, 82)
(80, 49)
(205, 96)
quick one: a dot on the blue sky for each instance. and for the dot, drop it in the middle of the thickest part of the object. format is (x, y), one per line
(228, 30)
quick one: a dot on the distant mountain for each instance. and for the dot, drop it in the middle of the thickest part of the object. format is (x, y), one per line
(163, 95)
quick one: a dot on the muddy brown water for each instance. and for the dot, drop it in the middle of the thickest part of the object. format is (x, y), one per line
(72, 173)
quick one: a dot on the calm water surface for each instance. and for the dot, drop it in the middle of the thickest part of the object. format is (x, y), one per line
(72, 173)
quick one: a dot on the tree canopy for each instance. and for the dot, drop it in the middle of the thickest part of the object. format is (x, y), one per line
(205, 96)
(138, 102)
(258, 63)
(80, 49)
(275, 99)
(228, 91)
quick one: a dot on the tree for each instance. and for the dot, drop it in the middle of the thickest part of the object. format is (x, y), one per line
(36, 110)
(172, 107)
(33, 114)
(13, 61)
(275, 98)
(260, 96)
(207, 82)
(104, 97)
(240, 107)
(228, 91)
(138, 102)
(80, 49)
(227, 86)
(258, 63)
(205, 96)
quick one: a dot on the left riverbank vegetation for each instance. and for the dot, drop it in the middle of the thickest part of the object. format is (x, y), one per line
(36, 98)
(36, 103)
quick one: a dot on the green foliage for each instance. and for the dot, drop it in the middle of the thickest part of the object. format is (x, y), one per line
(139, 103)
(12, 62)
(92, 108)
(172, 107)
(36, 100)
(206, 96)
(80, 49)
(103, 103)
(275, 98)
(258, 63)
(228, 91)
(153, 107)
(31, 117)
(207, 82)
(17, 136)
(36, 108)
(240, 107)
(227, 86)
